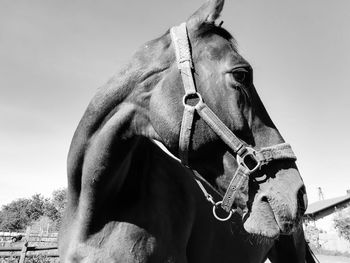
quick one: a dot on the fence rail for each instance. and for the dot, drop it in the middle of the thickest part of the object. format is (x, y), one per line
(28, 248)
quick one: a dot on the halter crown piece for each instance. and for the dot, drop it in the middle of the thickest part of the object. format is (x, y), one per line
(249, 160)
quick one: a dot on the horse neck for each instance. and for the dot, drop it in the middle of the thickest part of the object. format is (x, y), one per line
(132, 86)
(118, 112)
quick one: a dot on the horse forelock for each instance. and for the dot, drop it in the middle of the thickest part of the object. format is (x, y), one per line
(209, 29)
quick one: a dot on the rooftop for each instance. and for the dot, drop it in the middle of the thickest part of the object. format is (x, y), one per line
(325, 204)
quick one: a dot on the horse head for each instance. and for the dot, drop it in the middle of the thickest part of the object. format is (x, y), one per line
(276, 198)
(147, 99)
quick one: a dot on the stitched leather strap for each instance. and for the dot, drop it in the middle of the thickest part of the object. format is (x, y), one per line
(185, 134)
(184, 63)
(276, 152)
(219, 127)
(239, 180)
(181, 43)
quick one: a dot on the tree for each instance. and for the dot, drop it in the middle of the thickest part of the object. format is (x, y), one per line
(55, 207)
(312, 235)
(37, 207)
(342, 223)
(23, 212)
(14, 215)
(59, 199)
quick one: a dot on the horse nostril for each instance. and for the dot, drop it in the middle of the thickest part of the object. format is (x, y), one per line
(264, 199)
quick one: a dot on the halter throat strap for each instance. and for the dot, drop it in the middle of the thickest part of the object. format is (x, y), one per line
(248, 159)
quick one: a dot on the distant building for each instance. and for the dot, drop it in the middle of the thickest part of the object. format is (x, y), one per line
(321, 214)
(323, 208)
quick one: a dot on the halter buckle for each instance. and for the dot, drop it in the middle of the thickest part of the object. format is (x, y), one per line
(249, 160)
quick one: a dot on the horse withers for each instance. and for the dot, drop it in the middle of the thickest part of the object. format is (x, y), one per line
(128, 201)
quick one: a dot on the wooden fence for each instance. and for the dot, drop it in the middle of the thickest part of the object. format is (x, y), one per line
(27, 244)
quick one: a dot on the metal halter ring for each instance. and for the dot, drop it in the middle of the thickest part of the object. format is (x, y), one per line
(190, 96)
(219, 218)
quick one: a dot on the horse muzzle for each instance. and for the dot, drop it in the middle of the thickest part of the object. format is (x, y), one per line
(278, 205)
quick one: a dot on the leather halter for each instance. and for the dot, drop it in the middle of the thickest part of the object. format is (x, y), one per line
(249, 160)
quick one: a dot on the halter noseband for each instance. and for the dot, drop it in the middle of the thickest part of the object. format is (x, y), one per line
(248, 159)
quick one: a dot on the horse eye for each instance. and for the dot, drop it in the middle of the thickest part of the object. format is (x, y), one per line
(240, 76)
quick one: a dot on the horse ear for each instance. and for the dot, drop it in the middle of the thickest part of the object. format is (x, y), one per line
(207, 13)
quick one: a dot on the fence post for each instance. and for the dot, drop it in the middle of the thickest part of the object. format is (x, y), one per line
(25, 246)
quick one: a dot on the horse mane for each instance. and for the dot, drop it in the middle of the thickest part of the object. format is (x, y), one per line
(145, 63)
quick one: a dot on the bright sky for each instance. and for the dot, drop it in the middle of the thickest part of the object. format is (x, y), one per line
(55, 54)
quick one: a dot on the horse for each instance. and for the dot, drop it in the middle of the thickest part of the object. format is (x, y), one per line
(237, 188)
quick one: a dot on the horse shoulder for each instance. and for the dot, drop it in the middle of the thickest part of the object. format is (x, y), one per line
(131, 193)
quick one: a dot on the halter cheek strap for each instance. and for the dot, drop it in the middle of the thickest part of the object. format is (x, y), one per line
(249, 160)
(184, 63)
